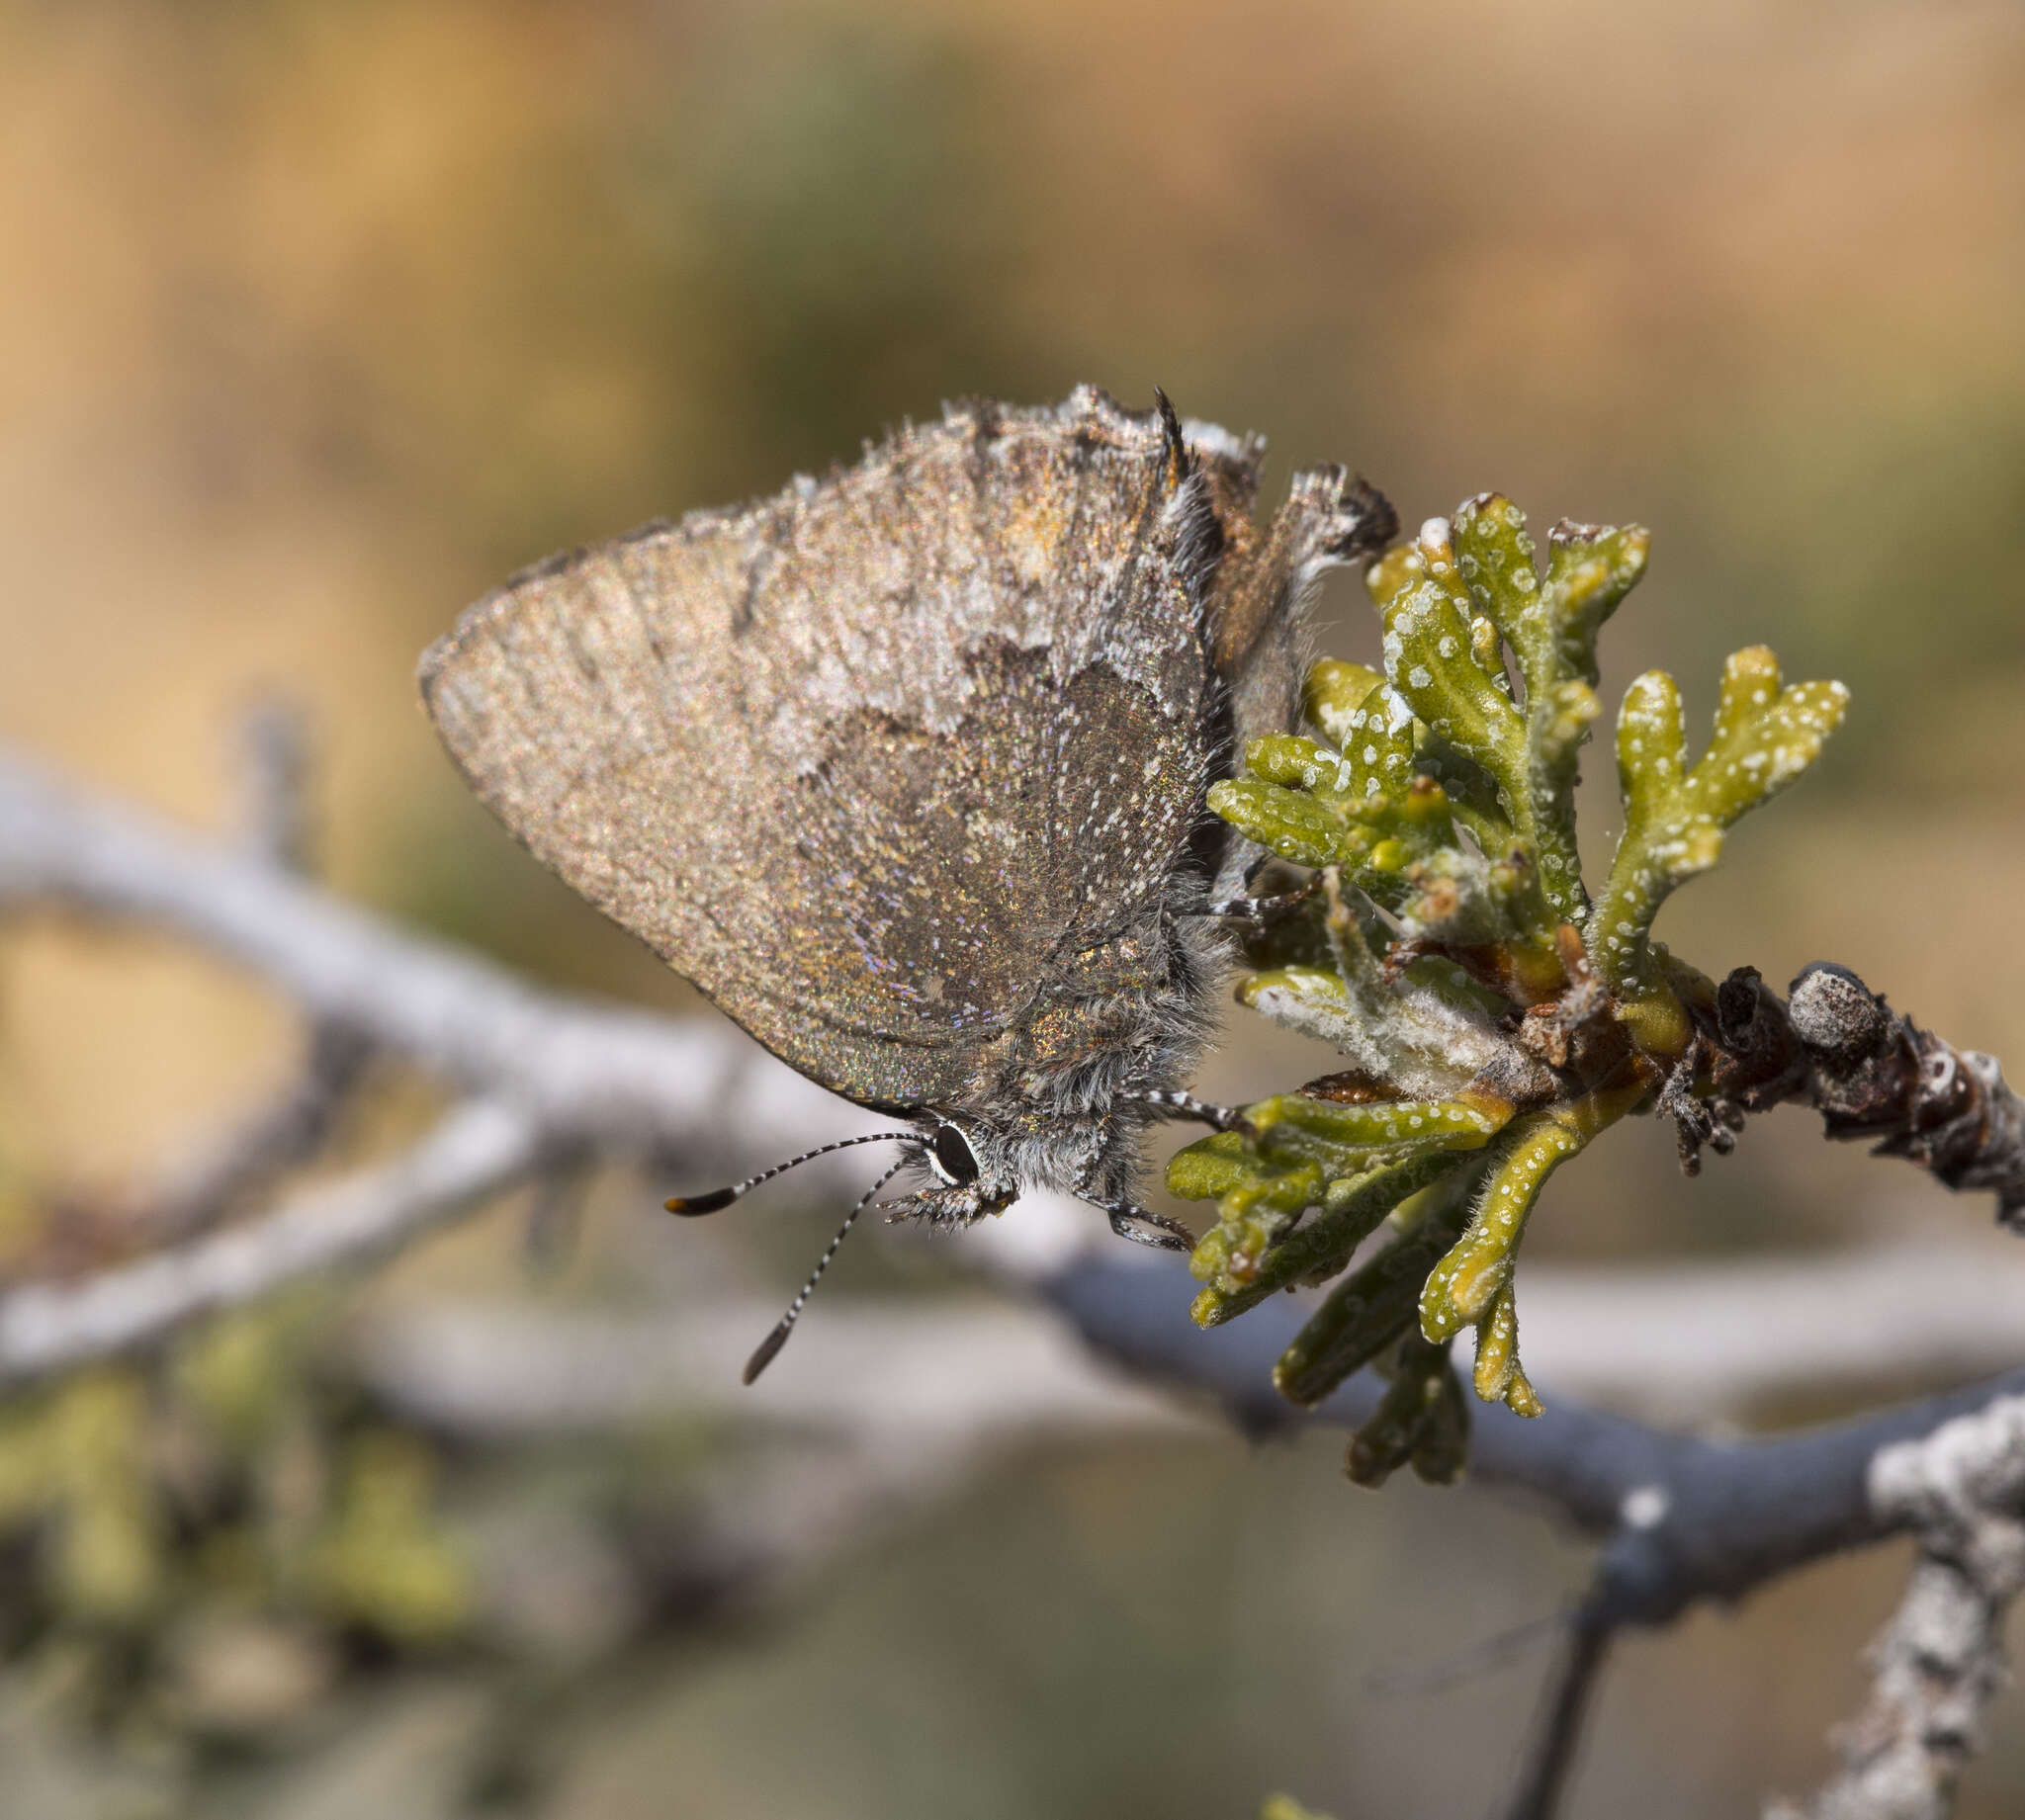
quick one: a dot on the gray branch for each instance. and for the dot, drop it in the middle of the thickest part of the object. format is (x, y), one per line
(1940, 1661)
(219, 1176)
(1872, 1073)
(599, 1076)
(548, 1079)
(499, 1371)
(1686, 1519)
(551, 1075)
(275, 821)
(942, 1379)
(476, 1149)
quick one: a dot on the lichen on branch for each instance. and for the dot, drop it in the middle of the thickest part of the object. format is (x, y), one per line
(1493, 1018)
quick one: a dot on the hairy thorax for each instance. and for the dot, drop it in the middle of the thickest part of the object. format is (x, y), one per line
(1051, 1104)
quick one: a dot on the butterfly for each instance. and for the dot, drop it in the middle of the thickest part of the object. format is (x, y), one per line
(905, 768)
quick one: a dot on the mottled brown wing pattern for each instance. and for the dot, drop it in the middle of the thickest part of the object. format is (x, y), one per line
(974, 863)
(925, 667)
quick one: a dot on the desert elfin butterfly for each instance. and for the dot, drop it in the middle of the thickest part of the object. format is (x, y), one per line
(905, 768)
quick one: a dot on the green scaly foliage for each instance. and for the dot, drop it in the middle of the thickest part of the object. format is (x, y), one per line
(1494, 1017)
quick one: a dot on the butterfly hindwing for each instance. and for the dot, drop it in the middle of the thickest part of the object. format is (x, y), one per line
(866, 760)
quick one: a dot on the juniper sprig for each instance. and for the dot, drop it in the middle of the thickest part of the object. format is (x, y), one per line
(1493, 1016)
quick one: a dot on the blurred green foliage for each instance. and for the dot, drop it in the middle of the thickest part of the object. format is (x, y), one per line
(1285, 1807)
(241, 1479)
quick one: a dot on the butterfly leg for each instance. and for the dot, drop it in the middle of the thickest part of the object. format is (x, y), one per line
(1177, 1104)
(1260, 909)
(1143, 1226)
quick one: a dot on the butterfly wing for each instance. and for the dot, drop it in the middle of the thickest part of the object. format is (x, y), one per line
(864, 759)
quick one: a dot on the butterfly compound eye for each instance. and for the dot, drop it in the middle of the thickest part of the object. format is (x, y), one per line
(952, 1152)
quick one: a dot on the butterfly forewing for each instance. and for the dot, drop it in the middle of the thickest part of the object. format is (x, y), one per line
(855, 759)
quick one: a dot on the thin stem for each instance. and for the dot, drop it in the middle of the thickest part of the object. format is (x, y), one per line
(1564, 1709)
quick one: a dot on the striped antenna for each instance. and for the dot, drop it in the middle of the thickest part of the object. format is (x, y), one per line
(771, 1344)
(690, 1206)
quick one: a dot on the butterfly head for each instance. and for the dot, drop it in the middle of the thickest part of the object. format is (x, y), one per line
(972, 1177)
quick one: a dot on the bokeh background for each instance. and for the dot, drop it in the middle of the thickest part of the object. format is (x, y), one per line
(317, 320)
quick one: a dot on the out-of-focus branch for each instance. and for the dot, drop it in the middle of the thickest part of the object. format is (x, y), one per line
(275, 821)
(550, 1080)
(478, 1147)
(216, 1179)
(1614, 1337)
(1686, 1519)
(1683, 1520)
(592, 1074)
(1688, 1342)
(1564, 1705)
(948, 1376)
(1940, 1661)
(556, 1076)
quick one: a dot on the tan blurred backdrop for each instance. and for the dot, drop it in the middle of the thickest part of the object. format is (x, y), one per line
(320, 319)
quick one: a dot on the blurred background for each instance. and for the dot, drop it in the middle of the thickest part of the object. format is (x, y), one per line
(319, 319)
